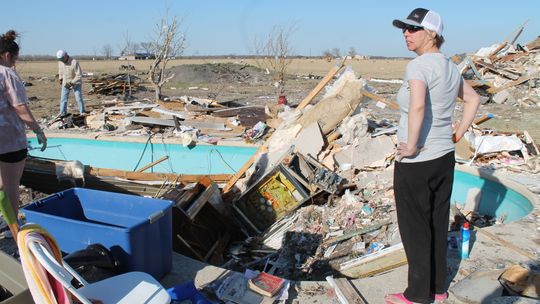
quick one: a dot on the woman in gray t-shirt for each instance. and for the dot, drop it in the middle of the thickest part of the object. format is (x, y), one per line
(424, 168)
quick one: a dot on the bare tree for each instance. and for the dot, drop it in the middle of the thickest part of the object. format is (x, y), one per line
(336, 52)
(146, 47)
(107, 51)
(169, 42)
(327, 54)
(274, 53)
(128, 46)
(352, 52)
(134, 47)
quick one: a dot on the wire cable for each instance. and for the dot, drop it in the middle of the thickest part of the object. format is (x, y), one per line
(144, 150)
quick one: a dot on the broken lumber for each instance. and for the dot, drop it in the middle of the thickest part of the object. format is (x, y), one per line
(345, 291)
(152, 164)
(144, 176)
(493, 56)
(510, 84)
(244, 168)
(333, 71)
(390, 104)
(371, 264)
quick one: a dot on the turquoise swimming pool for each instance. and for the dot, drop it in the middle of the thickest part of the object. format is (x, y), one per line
(497, 198)
(201, 159)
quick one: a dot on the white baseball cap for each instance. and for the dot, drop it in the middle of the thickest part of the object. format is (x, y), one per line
(60, 54)
(422, 17)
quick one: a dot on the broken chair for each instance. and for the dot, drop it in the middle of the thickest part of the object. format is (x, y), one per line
(50, 278)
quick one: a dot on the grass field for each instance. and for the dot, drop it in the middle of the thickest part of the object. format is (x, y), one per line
(386, 68)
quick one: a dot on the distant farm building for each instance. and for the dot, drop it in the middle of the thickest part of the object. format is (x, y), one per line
(137, 56)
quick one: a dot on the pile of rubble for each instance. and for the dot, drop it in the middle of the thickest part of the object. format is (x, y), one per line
(115, 85)
(504, 73)
(317, 197)
(319, 200)
(190, 119)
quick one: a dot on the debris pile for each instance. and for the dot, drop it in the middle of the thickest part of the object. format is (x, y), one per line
(317, 196)
(488, 148)
(504, 73)
(115, 84)
(302, 226)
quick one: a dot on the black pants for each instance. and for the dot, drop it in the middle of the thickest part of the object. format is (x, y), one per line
(422, 191)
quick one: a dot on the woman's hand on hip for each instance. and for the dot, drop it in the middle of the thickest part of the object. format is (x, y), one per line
(404, 150)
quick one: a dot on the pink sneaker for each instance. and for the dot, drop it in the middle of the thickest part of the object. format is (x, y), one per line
(396, 298)
(441, 297)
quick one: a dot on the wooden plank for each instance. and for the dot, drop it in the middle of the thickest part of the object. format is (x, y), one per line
(153, 164)
(349, 291)
(478, 83)
(144, 176)
(493, 56)
(333, 71)
(384, 260)
(185, 243)
(494, 90)
(392, 105)
(529, 140)
(503, 72)
(244, 168)
(198, 204)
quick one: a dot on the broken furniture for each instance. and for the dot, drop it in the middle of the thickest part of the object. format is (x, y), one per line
(268, 200)
(39, 256)
(200, 226)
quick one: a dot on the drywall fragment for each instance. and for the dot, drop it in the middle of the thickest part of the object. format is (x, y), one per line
(309, 141)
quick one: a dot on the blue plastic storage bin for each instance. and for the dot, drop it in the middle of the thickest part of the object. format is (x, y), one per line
(136, 229)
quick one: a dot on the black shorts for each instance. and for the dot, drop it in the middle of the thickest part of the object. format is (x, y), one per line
(14, 157)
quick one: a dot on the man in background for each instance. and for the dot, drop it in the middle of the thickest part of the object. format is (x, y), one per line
(70, 76)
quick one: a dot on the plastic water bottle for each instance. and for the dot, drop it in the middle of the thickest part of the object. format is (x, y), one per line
(465, 237)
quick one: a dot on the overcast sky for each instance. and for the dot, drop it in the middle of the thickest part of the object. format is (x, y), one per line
(221, 27)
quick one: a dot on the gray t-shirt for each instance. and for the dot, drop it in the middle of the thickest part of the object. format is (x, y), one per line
(442, 81)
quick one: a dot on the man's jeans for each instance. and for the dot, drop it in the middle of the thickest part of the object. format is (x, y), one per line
(64, 98)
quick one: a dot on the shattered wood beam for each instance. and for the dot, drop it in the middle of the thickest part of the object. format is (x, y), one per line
(390, 104)
(333, 136)
(333, 71)
(244, 168)
(494, 90)
(345, 287)
(201, 200)
(195, 252)
(342, 298)
(530, 140)
(152, 164)
(493, 56)
(374, 263)
(144, 176)
(503, 72)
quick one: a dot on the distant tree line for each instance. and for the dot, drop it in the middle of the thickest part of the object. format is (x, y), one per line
(230, 56)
